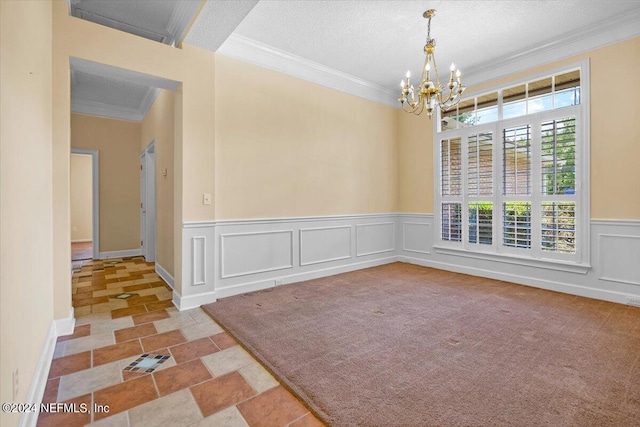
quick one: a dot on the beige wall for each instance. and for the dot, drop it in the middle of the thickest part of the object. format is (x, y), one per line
(81, 197)
(615, 132)
(118, 142)
(26, 274)
(158, 126)
(415, 160)
(294, 148)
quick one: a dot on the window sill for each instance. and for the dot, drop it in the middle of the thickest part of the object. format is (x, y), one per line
(548, 264)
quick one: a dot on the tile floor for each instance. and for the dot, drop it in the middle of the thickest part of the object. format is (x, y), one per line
(208, 380)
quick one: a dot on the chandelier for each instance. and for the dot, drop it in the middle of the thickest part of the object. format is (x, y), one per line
(429, 93)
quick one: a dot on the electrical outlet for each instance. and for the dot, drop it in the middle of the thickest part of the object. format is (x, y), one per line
(15, 385)
(634, 301)
(278, 282)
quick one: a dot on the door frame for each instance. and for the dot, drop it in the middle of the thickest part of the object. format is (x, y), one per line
(148, 207)
(95, 196)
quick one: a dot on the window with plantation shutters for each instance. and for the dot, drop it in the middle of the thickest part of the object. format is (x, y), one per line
(511, 177)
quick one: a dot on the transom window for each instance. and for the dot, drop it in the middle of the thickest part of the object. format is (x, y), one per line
(513, 171)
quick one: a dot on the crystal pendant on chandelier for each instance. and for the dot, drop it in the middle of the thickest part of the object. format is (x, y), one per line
(429, 94)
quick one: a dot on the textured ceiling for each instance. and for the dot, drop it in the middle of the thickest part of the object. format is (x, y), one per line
(370, 42)
(163, 21)
(379, 40)
(114, 92)
(218, 19)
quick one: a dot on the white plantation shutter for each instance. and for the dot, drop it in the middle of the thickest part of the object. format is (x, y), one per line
(559, 227)
(452, 222)
(451, 167)
(558, 157)
(516, 224)
(516, 160)
(480, 165)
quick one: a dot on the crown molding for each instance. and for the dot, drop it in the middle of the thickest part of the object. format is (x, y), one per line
(245, 49)
(101, 109)
(610, 31)
(148, 101)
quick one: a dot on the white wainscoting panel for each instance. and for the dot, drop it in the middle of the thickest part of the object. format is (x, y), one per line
(375, 238)
(324, 244)
(620, 258)
(258, 252)
(199, 260)
(226, 258)
(417, 237)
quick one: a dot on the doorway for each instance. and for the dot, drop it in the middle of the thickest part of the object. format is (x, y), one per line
(84, 208)
(148, 203)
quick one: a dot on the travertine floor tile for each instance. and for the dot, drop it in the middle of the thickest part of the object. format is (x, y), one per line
(118, 420)
(88, 381)
(88, 343)
(229, 417)
(176, 409)
(276, 407)
(227, 361)
(258, 377)
(201, 330)
(221, 392)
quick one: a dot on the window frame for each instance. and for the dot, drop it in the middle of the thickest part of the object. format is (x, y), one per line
(535, 256)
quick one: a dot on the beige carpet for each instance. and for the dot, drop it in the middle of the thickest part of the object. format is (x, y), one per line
(402, 345)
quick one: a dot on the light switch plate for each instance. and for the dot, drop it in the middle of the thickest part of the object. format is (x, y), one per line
(206, 199)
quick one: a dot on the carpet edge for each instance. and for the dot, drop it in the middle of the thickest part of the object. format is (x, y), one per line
(288, 385)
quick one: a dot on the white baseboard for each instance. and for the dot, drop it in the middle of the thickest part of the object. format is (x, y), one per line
(164, 274)
(67, 325)
(81, 240)
(39, 382)
(193, 301)
(120, 254)
(566, 288)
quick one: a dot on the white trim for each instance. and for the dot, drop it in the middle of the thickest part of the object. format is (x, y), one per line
(277, 220)
(39, 381)
(120, 254)
(203, 260)
(198, 224)
(188, 302)
(102, 109)
(601, 237)
(164, 275)
(149, 99)
(404, 246)
(254, 52)
(81, 240)
(614, 30)
(301, 277)
(617, 222)
(338, 227)
(358, 226)
(223, 275)
(584, 291)
(513, 259)
(95, 196)
(67, 325)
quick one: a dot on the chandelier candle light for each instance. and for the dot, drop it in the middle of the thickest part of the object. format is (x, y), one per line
(429, 93)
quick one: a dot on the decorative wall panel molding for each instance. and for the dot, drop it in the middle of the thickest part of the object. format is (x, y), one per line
(234, 257)
(416, 237)
(258, 252)
(325, 244)
(199, 260)
(619, 258)
(375, 238)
